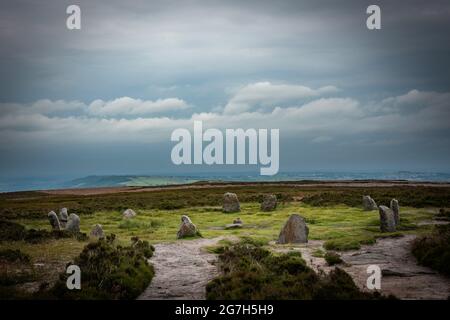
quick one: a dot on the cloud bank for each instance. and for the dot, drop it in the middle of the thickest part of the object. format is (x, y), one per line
(321, 119)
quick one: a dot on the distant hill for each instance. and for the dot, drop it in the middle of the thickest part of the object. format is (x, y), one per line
(125, 181)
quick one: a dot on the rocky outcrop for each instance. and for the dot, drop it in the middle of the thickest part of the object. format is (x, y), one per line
(269, 202)
(230, 203)
(294, 230)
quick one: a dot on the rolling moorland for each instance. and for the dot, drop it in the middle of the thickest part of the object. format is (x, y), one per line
(333, 212)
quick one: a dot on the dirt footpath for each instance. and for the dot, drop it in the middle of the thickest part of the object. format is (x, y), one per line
(182, 270)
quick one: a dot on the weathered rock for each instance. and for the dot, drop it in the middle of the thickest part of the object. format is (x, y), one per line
(269, 202)
(187, 228)
(294, 230)
(237, 221)
(54, 221)
(387, 219)
(369, 204)
(97, 231)
(129, 213)
(73, 223)
(233, 226)
(63, 217)
(396, 209)
(231, 203)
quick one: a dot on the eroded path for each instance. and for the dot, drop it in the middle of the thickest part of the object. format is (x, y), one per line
(182, 270)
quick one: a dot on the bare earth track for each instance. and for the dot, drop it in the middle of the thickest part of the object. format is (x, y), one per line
(182, 270)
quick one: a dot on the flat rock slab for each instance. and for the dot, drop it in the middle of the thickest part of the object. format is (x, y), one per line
(182, 270)
(401, 275)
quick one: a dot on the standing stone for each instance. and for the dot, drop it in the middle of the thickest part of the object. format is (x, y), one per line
(73, 223)
(369, 204)
(63, 217)
(294, 230)
(97, 231)
(387, 219)
(269, 202)
(129, 213)
(54, 222)
(231, 203)
(396, 209)
(187, 228)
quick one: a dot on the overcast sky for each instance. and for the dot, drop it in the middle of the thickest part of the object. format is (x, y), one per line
(105, 99)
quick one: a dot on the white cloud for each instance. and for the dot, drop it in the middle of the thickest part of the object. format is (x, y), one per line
(266, 94)
(322, 120)
(126, 106)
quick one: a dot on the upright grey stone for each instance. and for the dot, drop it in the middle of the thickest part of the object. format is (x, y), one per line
(63, 217)
(294, 230)
(269, 202)
(387, 219)
(368, 203)
(187, 228)
(396, 209)
(97, 231)
(129, 213)
(73, 223)
(53, 219)
(231, 203)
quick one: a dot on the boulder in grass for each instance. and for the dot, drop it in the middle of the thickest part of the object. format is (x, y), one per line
(237, 221)
(369, 204)
(63, 217)
(129, 213)
(294, 230)
(97, 231)
(54, 221)
(187, 228)
(231, 203)
(73, 223)
(387, 219)
(269, 202)
(396, 209)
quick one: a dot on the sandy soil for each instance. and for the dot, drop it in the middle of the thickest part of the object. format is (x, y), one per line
(182, 270)
(299, 184)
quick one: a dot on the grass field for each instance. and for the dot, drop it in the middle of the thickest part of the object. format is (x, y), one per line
(332, 215)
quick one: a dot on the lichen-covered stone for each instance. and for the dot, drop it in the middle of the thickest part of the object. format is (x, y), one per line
(387, 219)
(269, 202)
(73, 223)
(294, 230)
(187, 228)
(368, 203)
(54, 221)
(231, 203)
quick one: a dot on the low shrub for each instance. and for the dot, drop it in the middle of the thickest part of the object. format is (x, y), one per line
(252, 272)
(332, 258)
(12, 231)
(108, 271)
(14, 255)
(434, 250)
